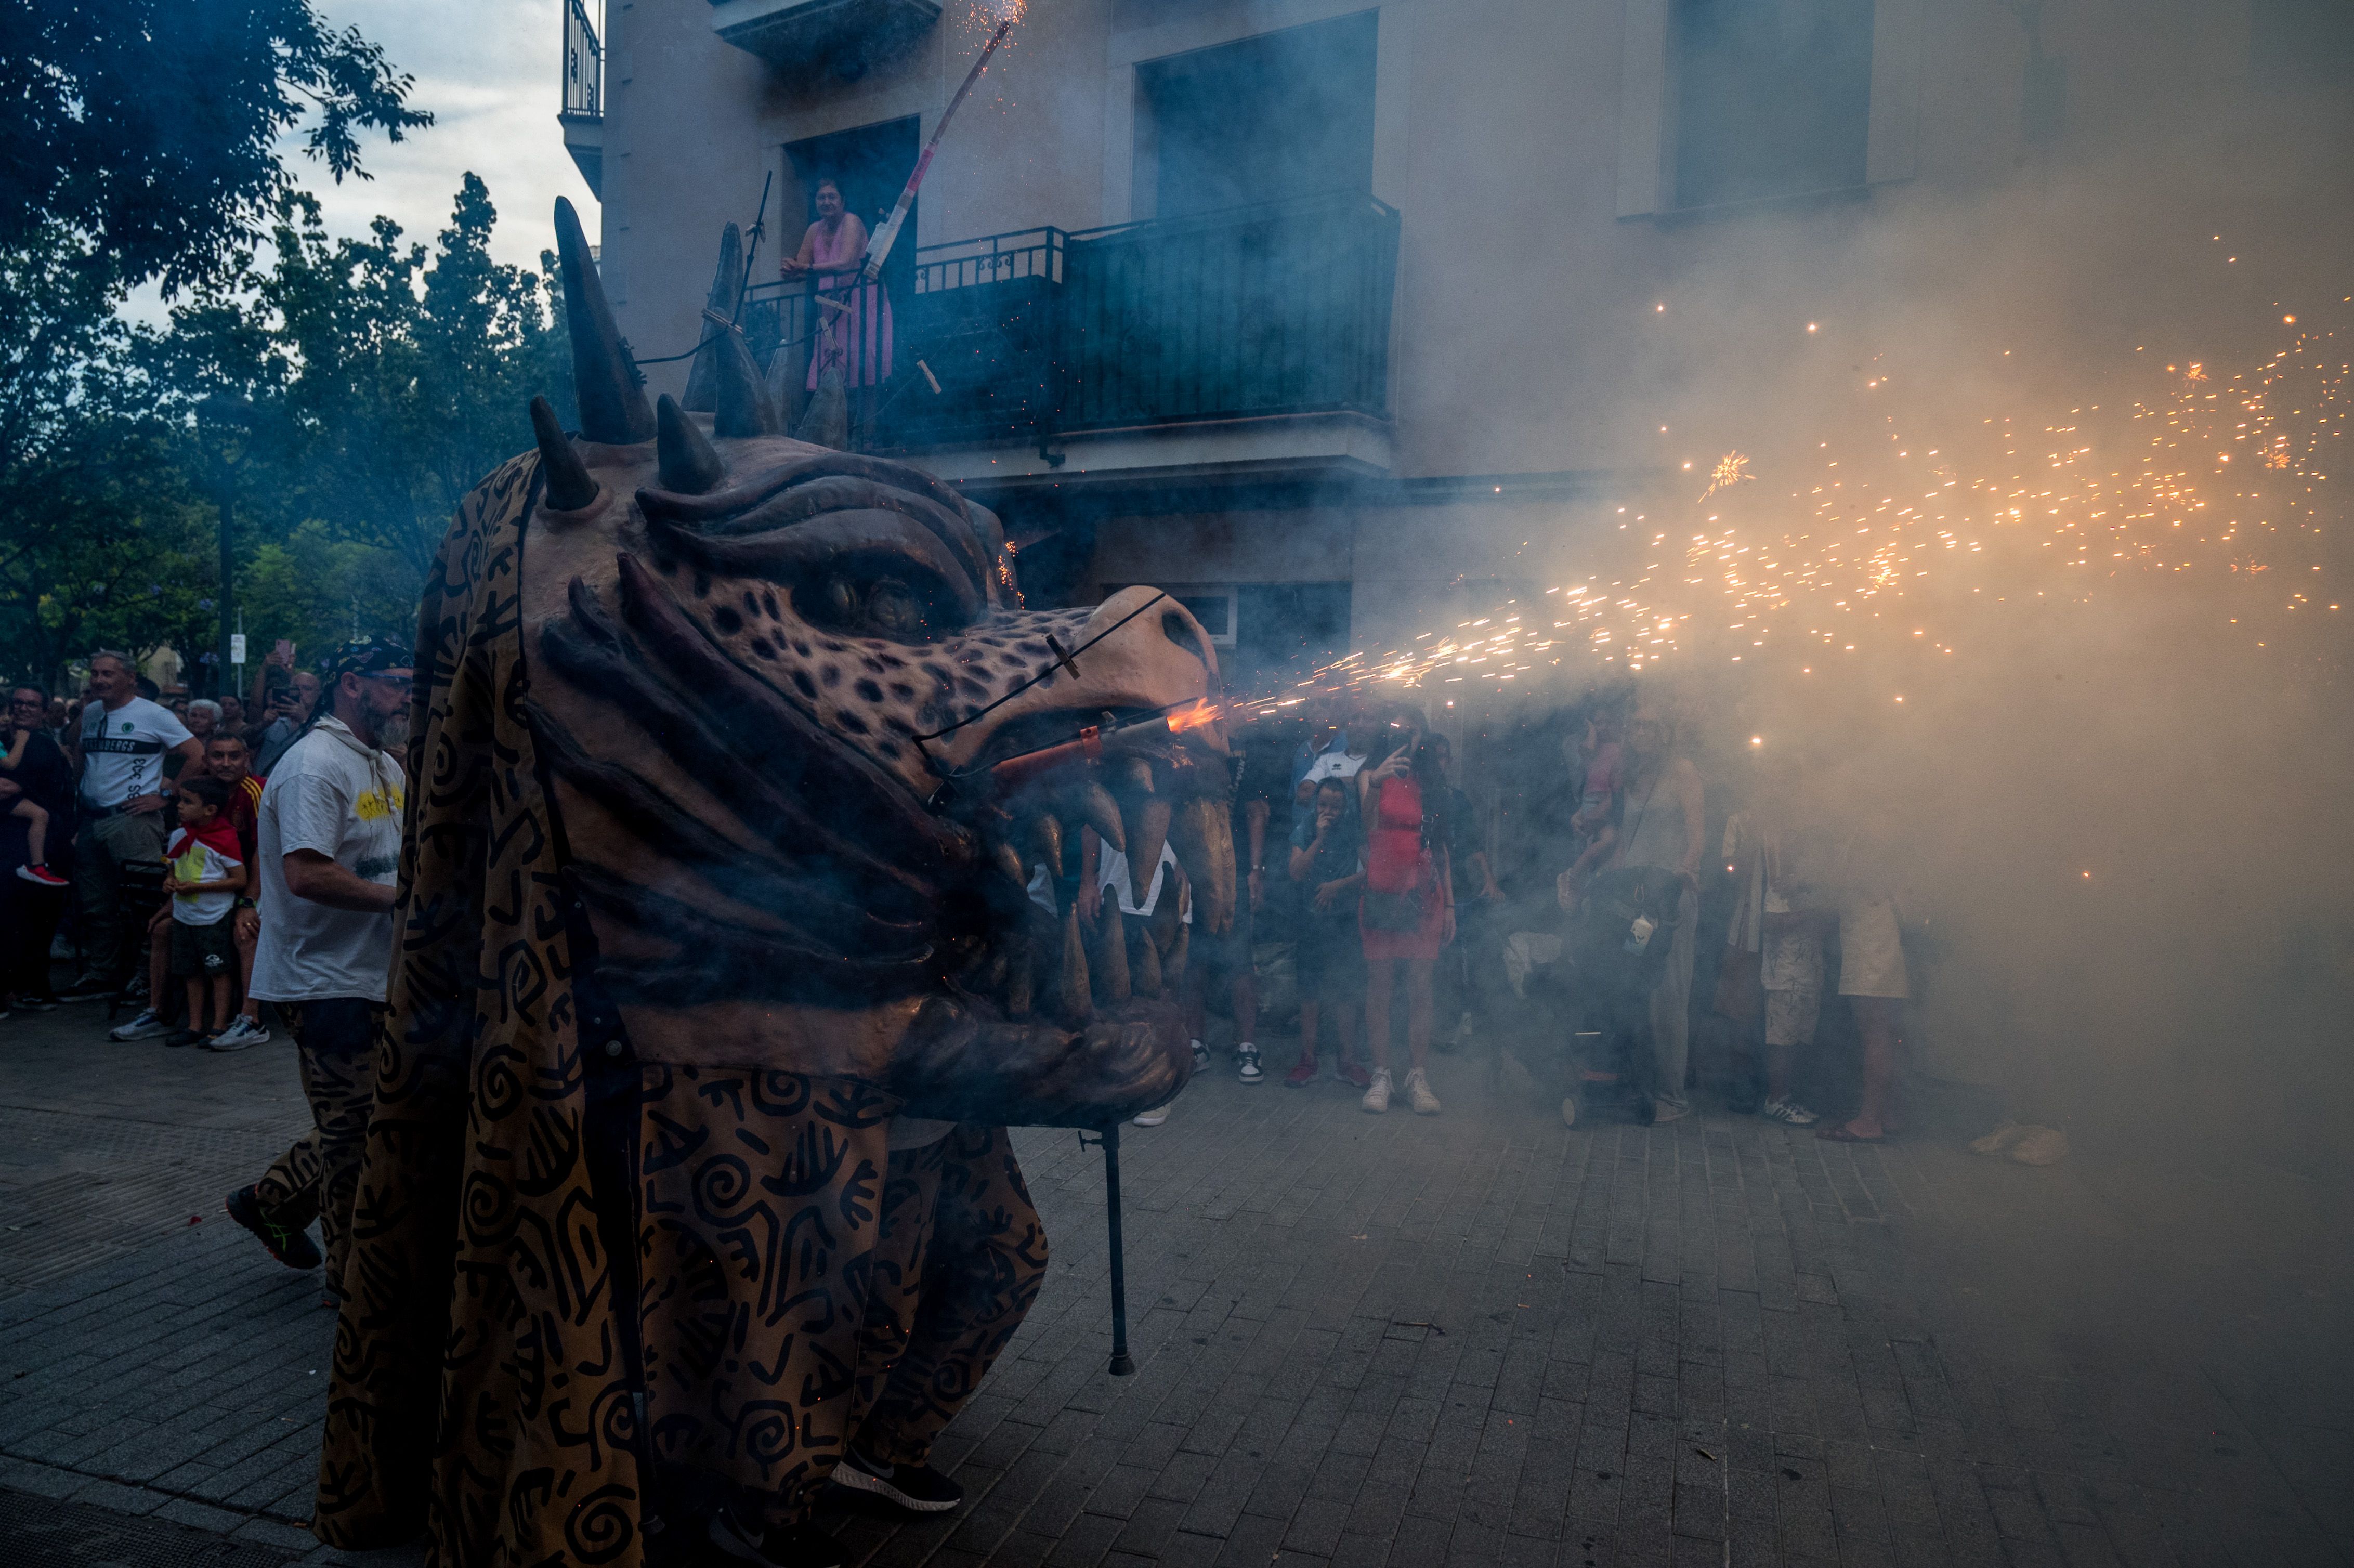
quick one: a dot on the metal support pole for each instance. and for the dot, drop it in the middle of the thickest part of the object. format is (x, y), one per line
(227, 603)
(1121, 1366)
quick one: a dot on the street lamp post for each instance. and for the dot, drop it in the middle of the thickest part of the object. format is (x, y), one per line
(237, 415)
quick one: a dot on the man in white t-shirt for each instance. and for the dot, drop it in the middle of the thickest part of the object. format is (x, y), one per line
(327, 859)
(117, 755)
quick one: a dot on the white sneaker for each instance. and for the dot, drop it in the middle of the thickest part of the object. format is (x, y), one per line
(1569, 1110)
(1789, 1111)
(242, 1031)
(1247, 1065)
(1377, 1097)
(148, 1025)
(1669, 1110)
(1418, 1095)
(1153, 1117)
(1201, 1057)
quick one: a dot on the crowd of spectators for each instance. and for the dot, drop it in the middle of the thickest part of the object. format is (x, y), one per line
(128, 821)
(1565, 909)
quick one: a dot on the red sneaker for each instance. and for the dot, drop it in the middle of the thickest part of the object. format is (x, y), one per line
(42, 874)
(1358, 1074)
(1302, 1074)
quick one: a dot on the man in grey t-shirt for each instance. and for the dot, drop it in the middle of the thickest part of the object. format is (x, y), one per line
(327, 859)
(117, 754)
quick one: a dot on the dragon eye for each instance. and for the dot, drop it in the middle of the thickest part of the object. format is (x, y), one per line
(891, 607)
(879, 597)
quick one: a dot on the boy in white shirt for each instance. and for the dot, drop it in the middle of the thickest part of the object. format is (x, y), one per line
(207, 873)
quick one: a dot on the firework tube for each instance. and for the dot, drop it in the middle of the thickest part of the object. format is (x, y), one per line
(878, 249)
(1015, 772)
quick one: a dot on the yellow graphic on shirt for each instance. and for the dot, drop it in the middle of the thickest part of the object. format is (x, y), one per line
(192, 870)
(385, 802)
(190, 866)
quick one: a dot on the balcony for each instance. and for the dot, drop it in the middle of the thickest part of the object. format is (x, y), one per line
(1256, 314)
(583, 116)
(807, 38)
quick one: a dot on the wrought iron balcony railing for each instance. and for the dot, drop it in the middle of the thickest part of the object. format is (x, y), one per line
(1248, 313)
(584, 61)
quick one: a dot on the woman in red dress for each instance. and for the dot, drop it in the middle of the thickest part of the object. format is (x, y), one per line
(1407, 913)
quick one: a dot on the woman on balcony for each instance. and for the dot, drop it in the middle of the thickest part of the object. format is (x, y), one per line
(856, 338)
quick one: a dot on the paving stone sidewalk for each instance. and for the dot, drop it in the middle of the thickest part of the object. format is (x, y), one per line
(1479, 1338)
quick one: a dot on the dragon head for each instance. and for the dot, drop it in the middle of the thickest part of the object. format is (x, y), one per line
(772, 685)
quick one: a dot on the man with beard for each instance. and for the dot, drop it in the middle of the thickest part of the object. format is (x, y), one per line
(328, 855)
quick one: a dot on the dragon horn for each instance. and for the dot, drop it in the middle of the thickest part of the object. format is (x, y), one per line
(686, 465)
(569, 486)
(744, 406)
(605, 378)
(727, 295)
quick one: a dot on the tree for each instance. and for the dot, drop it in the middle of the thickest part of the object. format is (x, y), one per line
(386, 381)
(99, 530)
(152, 128)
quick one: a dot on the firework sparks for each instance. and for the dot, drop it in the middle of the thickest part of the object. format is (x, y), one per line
(2090, 493)
(1732, 469)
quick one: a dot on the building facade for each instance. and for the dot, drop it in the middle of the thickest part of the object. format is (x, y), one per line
(1351, 320)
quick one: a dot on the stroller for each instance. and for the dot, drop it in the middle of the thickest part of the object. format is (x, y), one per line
(1590, 1006)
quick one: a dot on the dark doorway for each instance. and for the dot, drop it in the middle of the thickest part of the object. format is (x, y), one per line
(1275, 118)
(1773, 97)
(871, 164)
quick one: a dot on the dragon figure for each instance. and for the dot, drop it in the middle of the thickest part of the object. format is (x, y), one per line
(709, 882)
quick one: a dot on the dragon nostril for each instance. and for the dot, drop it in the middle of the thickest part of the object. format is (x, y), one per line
(1179, 630)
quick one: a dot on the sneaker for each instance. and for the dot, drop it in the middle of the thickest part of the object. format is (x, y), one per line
(88, 988)
(1355, 1073)
(1789, 1111)
(1201, 1057)
(1377, 1097)
(1247, 1065)
(1153, 1117)
(42, 874)
(36, 1004)
(919, 1488)
(1302, 1074)
(289, 1245)
(242, 1031)
(1417, 1093)
(793, 1546)
(1569, 1110)
(148, 1025)
(180, 1037)
(1669, 1110)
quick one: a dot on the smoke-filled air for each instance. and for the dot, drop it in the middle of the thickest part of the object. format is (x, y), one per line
(1180, 781)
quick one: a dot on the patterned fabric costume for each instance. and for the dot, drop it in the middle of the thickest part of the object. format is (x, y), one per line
(318, 1176)
(691, 906)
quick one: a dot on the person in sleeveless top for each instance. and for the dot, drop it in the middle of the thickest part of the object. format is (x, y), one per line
(858, 338)
(1406, 859)
(1662, 824)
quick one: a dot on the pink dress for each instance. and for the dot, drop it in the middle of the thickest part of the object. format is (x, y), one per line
(860, 340)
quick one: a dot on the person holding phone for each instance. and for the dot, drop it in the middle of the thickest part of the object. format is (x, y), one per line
(286, 702)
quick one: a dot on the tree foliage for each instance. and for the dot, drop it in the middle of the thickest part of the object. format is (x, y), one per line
(152, 128)
(338, 396)
(100, 529)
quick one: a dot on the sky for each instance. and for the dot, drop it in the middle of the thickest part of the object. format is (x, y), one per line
(488, 70)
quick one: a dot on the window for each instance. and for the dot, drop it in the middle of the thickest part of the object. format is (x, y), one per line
(1772, 97)
(1273, 118)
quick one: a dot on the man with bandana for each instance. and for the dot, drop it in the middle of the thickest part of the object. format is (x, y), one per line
(327, 857)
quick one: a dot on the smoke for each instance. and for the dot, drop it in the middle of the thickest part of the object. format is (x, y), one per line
(2032, 554)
